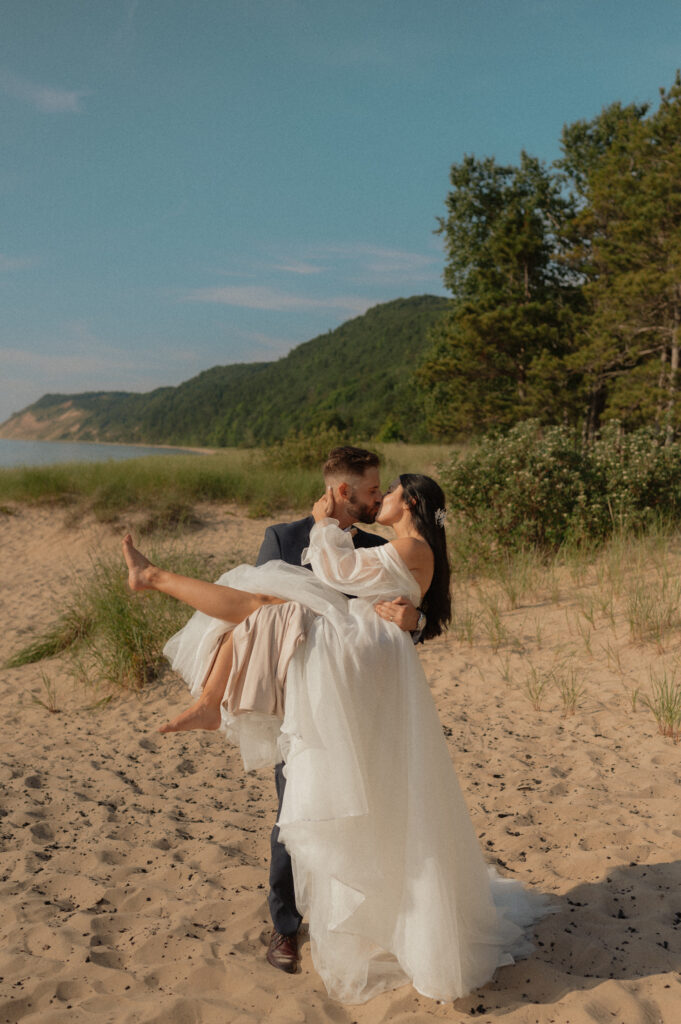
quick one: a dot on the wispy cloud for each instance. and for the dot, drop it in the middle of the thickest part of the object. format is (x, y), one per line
(260, 297)
(75, 364)
(85, 363)
(8, 263)
(255, 346)
(381, 260)
(363, 262)
(340, 278)
(126, 29)
(45, 98)
(360, 265)
(295, 267)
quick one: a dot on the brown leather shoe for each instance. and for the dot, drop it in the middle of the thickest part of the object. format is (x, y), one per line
(282, 952)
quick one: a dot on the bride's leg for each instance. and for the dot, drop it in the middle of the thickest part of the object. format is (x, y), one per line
(205, 712)
(219, 602)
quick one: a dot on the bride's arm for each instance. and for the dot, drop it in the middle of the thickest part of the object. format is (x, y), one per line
(335, 560)
(332, 554)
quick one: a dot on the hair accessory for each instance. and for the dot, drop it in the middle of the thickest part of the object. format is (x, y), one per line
(440, 516)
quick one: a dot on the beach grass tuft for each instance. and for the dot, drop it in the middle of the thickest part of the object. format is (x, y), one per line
(665, 703)
(535, 685)
(73, 625)
(634, 694)
(570, 689)
(50, 702)
(169, 518)
(463, 623)
(654, 610)
(114, 637)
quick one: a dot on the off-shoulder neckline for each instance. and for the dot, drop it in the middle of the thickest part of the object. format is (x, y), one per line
(391, 547)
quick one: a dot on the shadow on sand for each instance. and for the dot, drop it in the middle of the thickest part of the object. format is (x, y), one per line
(624, 928)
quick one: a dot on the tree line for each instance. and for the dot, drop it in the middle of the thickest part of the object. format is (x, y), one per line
(355, 381)
(566, 283)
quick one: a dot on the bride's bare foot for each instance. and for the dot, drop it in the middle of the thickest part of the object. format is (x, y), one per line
(199, 716)
(139, 568)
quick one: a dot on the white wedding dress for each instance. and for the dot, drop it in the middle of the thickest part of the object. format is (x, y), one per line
(387, 867)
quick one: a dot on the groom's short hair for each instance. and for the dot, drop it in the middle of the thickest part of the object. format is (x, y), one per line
(348, 461)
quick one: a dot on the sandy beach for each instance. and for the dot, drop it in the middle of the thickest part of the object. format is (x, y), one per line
(133, 867)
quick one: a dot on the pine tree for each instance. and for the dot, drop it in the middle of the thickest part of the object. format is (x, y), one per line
(626, 168)
(497, 357)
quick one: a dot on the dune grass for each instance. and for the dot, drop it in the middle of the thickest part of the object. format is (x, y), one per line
(171, 485)
(107, 489)
(73, 626)
(664, 702)
(654, 610)
(570, 688)
(50, 703)
(535, 685)
(566, 625)
(111, 636)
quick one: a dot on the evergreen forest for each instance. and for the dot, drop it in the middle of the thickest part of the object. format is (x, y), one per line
(566, 283)
(356, 380)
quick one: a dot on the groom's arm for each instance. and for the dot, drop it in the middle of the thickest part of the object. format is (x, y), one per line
(270, 547)
(404, 614)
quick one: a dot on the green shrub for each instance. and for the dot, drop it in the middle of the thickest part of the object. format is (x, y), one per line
(521, 488)
(306, 450)
(634, 479)
(543, 487)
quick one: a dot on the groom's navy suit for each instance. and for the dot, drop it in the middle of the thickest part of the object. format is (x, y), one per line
(287, 541)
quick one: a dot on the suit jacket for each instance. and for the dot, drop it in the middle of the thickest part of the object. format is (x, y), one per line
(287, 541)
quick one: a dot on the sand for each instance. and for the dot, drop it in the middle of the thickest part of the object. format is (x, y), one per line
(133, 867)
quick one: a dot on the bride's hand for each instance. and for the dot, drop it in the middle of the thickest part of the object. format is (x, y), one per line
(324, 507)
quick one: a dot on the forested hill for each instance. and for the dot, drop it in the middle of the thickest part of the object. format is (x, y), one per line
(357, 377)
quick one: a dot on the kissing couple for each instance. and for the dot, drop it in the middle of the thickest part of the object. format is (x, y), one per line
(309, 669)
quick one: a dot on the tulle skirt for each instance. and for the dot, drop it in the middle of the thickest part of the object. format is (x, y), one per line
(387, 867)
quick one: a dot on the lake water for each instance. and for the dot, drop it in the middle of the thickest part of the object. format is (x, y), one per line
(47, 453)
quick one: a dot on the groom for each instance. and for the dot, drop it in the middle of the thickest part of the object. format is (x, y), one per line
(353, 475)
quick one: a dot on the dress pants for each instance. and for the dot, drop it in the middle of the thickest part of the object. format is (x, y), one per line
(282, 898)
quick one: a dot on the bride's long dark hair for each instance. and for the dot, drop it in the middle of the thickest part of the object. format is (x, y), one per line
(427, 502)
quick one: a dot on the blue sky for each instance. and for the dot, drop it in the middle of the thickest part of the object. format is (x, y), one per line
(187, 183)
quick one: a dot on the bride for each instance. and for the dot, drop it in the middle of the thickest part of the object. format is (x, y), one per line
(387, 867)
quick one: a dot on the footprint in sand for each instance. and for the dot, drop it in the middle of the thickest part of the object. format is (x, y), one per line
(103, 957)
(44, 940)
(110, 857)
(42, 832)
(68, 990)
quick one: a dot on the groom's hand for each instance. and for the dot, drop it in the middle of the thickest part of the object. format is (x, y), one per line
(400, 611)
